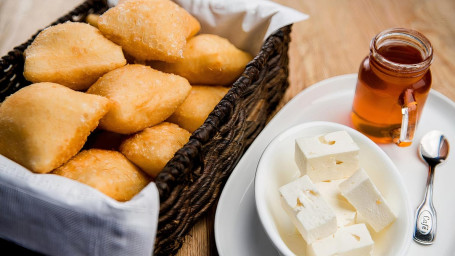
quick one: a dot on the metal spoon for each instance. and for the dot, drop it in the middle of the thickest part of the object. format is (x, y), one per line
(434, 149)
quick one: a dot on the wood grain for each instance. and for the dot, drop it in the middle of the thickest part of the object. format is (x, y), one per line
(331, 42)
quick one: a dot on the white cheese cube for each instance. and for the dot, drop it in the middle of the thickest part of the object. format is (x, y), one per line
(329, 156)
(360, 191)
(352, 240)
(345, 212)
(308, 211)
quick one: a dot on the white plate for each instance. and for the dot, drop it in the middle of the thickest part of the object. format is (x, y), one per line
(237, 227)
(277, 168)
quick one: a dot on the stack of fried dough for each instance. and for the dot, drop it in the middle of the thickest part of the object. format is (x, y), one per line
(113, 100)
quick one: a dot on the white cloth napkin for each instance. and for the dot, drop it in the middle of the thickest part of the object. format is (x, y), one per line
(54, 215)
(58, 216)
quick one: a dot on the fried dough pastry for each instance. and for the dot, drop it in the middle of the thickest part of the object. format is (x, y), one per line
(92, 19)
(72, 54)
(197, 106)
(208, 59)
(142, 97)
(153, 147)
(149, 29)
(43, 125)
(107, 171)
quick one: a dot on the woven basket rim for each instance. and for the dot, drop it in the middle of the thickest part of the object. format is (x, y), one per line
(250, 72)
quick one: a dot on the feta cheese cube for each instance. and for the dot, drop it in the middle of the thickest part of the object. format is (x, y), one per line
(352, 240)
(329, 156)
(345, 212)
(308, 211)
(360, 191)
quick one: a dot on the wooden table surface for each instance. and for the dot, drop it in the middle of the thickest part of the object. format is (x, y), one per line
(331, 42)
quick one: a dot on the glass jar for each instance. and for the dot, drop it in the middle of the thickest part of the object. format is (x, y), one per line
(392, 86)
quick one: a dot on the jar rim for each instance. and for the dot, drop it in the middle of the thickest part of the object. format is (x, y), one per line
(407, 36)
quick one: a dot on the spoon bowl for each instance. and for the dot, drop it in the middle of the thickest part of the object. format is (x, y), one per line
(434, 149)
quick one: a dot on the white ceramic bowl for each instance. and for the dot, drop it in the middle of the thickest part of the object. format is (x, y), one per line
(277, 167)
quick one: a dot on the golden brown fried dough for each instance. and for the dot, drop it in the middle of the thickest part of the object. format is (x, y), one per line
(45, 124)
(153, 147)
(197, 106)
(92, 19)
(142, 97)
(149, 29)
(72, 54)
(107, 171)
(208, 59)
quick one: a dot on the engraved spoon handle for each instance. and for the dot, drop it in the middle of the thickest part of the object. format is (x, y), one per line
(425, 228)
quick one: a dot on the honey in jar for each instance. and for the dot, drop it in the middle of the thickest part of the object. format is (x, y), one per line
(392, 86)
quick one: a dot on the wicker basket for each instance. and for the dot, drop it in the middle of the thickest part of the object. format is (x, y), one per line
(193, 179)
